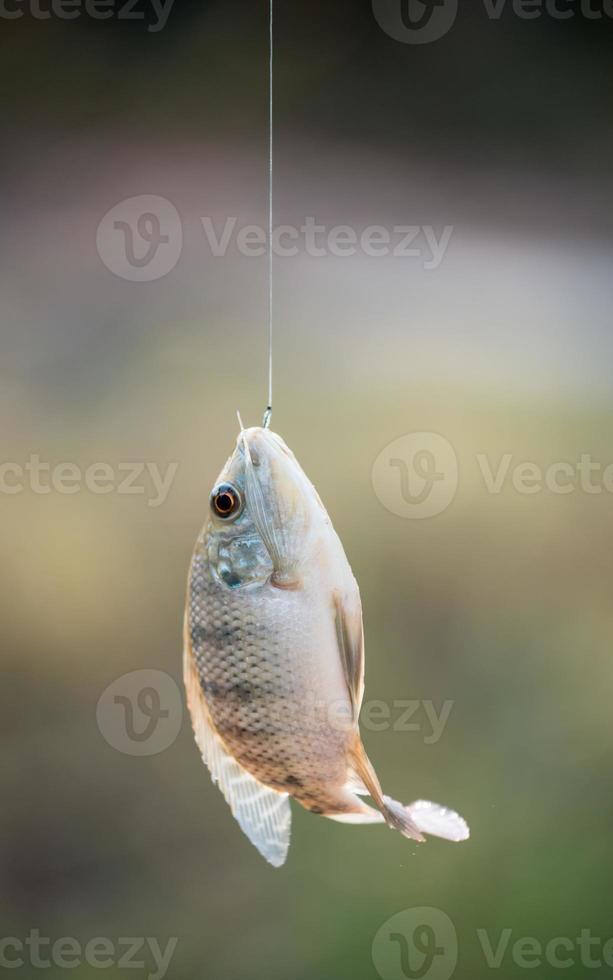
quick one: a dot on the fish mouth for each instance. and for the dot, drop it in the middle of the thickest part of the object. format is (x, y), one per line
(257, 441)
(276, 465)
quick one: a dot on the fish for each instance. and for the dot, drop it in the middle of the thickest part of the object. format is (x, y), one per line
(274, 658)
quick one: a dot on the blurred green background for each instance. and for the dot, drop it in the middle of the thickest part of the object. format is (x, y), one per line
(501, 604)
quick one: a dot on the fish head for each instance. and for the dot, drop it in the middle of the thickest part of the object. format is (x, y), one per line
(263, 490)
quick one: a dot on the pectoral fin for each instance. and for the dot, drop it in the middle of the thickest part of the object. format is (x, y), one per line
(350, 638)
(262, 814)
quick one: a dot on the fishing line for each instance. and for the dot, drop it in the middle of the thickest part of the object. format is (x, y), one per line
(268, 412)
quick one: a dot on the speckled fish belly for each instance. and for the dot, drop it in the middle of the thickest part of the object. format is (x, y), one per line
(264, 694)
(274, 657)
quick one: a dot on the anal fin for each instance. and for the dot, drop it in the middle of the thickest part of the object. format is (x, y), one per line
(262, 813)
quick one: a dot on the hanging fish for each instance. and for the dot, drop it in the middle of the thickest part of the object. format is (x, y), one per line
(274, 657)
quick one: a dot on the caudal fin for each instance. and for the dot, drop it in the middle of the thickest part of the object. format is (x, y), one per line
(423, 817)
(414, 820)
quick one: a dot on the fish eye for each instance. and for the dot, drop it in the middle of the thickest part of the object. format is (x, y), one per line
(226, 501)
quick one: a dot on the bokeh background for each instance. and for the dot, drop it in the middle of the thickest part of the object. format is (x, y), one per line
(501, 604)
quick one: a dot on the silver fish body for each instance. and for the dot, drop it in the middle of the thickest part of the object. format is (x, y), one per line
(274, 656)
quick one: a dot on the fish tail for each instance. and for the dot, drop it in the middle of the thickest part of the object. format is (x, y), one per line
(395, 815)
(399, 818)
(414, 820)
